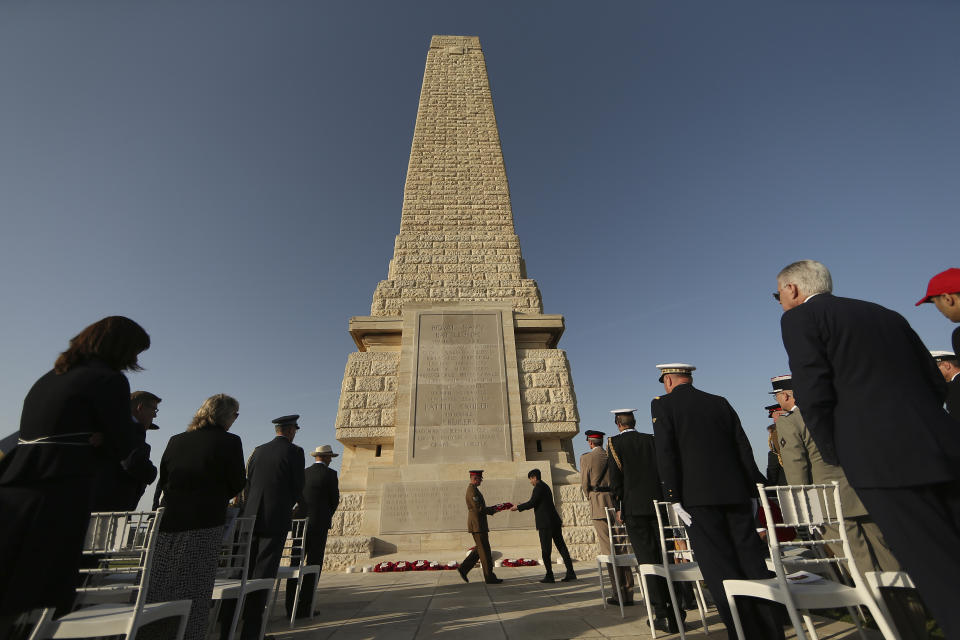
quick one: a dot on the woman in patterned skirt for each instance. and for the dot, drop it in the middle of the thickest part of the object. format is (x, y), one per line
(200, 471)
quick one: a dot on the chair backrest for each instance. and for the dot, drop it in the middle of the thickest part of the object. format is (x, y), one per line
(809, 506)
(293, 549)
(235, 551)
(674, 541)
(617, 531)
(122, 543)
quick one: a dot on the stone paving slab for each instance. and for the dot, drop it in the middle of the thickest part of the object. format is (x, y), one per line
(437, 604)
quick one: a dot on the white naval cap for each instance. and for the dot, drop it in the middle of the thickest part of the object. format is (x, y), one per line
(940, 356)
(616, 411)
(675, 367)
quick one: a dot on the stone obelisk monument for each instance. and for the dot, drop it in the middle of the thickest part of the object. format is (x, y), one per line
(456, 366)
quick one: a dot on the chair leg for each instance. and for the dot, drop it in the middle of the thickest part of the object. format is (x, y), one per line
(296, 600)
(807, 620)
(182, 626)
(881, 617)
(673, 603)
(236, 616)
(855, 615)
(603, 596)
(732, 603)
(316, 589)
(39, 630)
(271, 602)
(276, 588)
(701, 606)
(616, 584)
(642, 580)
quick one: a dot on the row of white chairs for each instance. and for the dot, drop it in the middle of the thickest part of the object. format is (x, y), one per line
(112, 598)
(797, 583)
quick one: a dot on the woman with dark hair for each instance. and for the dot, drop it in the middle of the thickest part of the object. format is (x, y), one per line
(201, 470)
(74, 415)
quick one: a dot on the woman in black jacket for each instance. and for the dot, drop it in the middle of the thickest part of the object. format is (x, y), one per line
(200, 471)
(75, 418)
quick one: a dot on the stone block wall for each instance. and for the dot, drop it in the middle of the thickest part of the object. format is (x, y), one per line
(345, 547)
(457, 241)
(578, 530)
(368, 398)
(547, 399)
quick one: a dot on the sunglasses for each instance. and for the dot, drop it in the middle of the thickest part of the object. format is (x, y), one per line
(776, 296)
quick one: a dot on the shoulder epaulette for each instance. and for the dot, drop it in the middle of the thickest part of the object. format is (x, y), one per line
(613, 452)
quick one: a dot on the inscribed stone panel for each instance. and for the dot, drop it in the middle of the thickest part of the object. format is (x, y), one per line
(459, 391)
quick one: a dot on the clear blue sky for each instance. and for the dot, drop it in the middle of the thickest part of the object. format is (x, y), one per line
(230, 175)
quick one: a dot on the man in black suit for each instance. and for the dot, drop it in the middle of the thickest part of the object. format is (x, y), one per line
(632, 460)
(321, 496)
(706, 464)
(873, 402)
(949, 366)
(274, 486)
(120, 485)
(549, 526)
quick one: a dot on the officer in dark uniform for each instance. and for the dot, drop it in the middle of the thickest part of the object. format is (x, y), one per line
(549, 526)
(949, 366)
(477, 512)
(706, 463)
(775, 475)
(632, 461)
(274, 485)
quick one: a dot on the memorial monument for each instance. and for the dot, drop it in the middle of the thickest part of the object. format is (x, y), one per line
(456, 366)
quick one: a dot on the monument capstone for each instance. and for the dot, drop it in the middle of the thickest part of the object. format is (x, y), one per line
(457, 366)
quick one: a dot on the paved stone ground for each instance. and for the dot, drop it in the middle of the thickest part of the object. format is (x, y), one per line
(437, 604)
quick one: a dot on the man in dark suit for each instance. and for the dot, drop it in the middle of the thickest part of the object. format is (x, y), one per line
(632, 461)
(873, 402)
(477, 512)
(549, 525)
(274, 485)
(321, 496)
(949, 366)
(706, 464)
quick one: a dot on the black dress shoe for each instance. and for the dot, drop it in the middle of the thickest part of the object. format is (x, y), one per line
(616, 603)
(494, 580)
(666, 624)
(571, 576)
(463, 574)
(548, 578)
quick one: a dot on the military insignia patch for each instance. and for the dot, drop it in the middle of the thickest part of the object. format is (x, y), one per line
(654, 419)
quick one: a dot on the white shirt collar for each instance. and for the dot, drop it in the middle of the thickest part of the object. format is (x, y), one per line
(808, 297)
(625, 430)
(955, 376)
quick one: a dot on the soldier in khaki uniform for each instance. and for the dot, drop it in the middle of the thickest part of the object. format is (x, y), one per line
(595, 484)
(477, 512)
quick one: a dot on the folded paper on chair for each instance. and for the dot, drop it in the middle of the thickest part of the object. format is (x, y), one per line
(804, 577)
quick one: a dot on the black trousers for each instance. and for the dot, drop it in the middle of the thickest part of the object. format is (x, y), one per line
(482, 553)
(644, 537)
(922, 526)
(549, 538)
(316, 546)
(265, 552)
(726, 546)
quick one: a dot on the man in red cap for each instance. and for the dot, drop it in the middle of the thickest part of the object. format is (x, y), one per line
(944, 292)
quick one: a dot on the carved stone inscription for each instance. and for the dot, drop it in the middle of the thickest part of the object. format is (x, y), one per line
(417, 507)
(460, 390)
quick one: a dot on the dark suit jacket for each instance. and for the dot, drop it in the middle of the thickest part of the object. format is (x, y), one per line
(953, 398)
(871, 393)
(632, 464)
(89, 398)
(477, 511)
(274, 485)
(321, 495)
(544, 511)
(775, 474)
(703, 454)
(200, 472)
(120, 485)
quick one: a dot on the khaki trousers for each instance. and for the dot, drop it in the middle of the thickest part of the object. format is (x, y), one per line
(481, 553)
(603, 547)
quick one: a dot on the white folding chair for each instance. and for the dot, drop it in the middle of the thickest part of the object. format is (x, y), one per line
(232, 581)
(895, 579)
(123, 542)
(808, 506)
(674, 544)
(292, 567)
(620, 556)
